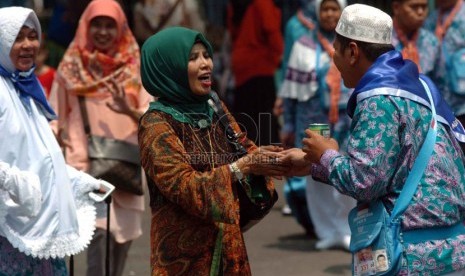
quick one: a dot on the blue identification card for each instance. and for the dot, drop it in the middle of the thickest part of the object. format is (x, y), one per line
(366, 223)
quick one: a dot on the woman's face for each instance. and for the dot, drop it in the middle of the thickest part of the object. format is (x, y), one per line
(199, 70)
(25, 48)
(410, 13)
(330, 11)
(103, 32)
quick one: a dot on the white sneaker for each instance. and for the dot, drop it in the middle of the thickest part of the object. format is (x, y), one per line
(346, 242)
(340, 242)
(286, 210)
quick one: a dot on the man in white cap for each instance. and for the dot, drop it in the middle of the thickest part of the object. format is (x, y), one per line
(391, 116)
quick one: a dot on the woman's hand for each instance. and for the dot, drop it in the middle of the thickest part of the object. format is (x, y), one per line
(295, 157)
(266, 160)
(315, 145)
(120, 104)
(298, 165)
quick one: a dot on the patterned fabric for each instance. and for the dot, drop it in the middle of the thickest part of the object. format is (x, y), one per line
(382, 149)
(429, 50)
(453, 41)
(84, 70)
(296, 26)
(300, 80)
(13, 262)
(193, 198)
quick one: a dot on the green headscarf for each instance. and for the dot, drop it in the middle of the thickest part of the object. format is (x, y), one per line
(164, 60)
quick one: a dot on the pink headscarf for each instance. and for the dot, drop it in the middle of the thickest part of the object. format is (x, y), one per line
(84, 70)
(109, 8)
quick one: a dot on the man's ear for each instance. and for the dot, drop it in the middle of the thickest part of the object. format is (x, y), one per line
(354, 53)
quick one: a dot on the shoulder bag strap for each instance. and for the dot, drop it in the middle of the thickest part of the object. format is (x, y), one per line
(420, 164)
(85, 116)
(231, 135)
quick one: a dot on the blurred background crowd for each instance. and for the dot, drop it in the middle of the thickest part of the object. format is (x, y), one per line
(253, 43)
(247, 75)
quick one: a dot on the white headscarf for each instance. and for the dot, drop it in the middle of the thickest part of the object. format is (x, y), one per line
(11, 21)
(342, 5)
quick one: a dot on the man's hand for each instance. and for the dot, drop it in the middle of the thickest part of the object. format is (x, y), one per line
(315, 145)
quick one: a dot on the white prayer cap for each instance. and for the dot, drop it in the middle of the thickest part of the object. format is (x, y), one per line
(365, 23)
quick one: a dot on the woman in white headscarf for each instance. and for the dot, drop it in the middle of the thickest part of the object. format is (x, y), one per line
(45, 211)
(312, 92)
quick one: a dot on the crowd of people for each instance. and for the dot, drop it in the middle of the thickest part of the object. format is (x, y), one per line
(145, 74)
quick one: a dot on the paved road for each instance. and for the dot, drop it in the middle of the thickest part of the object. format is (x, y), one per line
(277, 246)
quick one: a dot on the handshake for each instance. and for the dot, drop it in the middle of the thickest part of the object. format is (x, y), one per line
(277, 162)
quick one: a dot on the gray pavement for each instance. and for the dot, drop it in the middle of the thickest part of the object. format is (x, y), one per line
(277, 246)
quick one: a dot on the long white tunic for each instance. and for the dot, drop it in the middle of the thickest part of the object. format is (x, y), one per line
(63, 222)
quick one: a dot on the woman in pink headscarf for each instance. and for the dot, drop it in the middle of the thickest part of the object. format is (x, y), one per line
(101, 69)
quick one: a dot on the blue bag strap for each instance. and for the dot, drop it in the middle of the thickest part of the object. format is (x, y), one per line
(420, 164)
(436, 233)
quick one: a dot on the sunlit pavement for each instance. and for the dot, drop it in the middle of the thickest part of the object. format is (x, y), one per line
(276, 246)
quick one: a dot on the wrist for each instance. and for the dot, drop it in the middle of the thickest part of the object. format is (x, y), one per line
(243, 166)
(134, 114)
(236, 171)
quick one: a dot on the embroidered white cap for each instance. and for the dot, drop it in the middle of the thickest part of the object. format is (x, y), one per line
(365, 23)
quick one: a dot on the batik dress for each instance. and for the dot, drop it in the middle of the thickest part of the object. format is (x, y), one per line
(195, 212)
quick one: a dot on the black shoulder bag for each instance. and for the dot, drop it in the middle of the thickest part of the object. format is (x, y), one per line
(256, 203)
(112, 160)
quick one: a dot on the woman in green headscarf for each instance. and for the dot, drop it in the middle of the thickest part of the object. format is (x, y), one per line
(193, 170)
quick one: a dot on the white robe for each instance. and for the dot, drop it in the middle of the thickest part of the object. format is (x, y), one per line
(63, 221)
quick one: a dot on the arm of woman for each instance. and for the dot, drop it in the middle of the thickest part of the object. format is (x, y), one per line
(82, 184)
(22, 187)
(257, 161)
(208, 195)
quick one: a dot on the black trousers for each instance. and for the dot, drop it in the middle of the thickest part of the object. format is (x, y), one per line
(253, 110)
